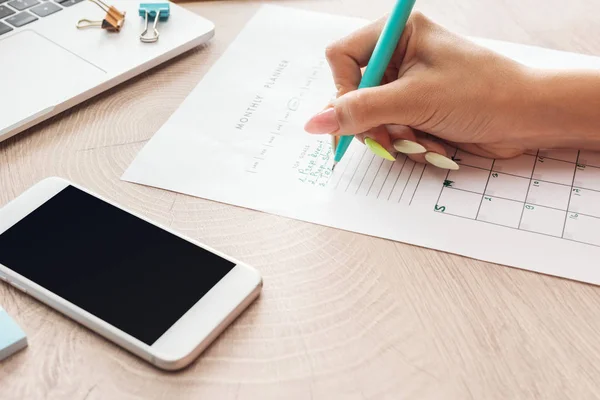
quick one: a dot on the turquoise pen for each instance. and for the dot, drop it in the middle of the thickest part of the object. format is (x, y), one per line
(380, 59)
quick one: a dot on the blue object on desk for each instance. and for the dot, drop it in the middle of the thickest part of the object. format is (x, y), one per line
(12, 338)
(163, 10)
(382, 54)
(156, 12)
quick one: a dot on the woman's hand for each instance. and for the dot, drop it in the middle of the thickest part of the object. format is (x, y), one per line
(437, 86)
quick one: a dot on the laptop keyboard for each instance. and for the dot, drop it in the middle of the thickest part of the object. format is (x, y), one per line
(17, 13)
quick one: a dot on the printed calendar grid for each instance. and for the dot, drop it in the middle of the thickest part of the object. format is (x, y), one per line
(367, 175)
(552, 193)
(560, 180)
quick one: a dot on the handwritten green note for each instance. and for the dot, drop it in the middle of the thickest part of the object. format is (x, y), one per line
(313, 166)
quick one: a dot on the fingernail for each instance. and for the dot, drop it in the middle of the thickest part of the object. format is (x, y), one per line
(378, 149)
(323, 122)
(440, 161)
(408, 147)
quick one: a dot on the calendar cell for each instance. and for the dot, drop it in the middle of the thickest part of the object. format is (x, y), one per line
(587, 177)
(468, 178)
(458, 202)
(562, 155)
(542, 220)
(549, 170)
(582, 228)
(520, 166)
(591, 158)
(585, 202)
(464, 158)
(548, 194)
(500, 211)
(507, 186)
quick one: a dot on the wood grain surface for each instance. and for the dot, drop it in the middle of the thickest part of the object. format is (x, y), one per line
(342, 316)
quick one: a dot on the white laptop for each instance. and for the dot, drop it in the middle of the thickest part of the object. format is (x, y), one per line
(47, 65)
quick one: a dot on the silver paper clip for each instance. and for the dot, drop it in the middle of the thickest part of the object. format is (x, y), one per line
(158, 11)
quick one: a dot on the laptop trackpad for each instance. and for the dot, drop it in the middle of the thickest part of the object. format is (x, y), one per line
(36, 75)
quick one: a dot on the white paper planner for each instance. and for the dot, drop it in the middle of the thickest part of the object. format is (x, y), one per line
(238, 138)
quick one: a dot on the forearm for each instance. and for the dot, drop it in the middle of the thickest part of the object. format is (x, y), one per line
(566, 107)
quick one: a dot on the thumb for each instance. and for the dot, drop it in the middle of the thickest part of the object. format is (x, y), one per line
(358, 111)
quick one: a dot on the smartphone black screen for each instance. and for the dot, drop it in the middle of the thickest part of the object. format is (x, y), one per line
(122, 269)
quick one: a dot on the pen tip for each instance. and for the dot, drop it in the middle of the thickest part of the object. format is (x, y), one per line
(333, 166)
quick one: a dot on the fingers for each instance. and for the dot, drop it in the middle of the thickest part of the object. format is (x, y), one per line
(420, 147)
(404, 140)
(386, 141)
(347, 56)
(379, 134)
(378, 141)
(400, 102)
(357, 111)
(435, 155)
(490, 150)
(393, 138)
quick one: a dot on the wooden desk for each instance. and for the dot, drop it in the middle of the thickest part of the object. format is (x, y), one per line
(342, 316)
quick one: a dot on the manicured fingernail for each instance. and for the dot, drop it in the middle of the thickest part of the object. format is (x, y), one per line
(408, 147)
(378, 149)
(440, 161)
(323, 122)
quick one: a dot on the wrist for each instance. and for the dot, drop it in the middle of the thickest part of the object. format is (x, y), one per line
(561, 109)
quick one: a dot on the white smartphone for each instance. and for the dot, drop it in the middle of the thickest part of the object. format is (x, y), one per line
(148, 289)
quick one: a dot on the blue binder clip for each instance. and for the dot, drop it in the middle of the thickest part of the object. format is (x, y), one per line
(156, 11)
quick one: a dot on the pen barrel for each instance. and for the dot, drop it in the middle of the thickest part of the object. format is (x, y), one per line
(343, 144)
(387, 44)
(380, 59)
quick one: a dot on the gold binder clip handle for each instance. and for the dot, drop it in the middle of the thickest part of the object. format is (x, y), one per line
(86, 23)
(113, 21)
